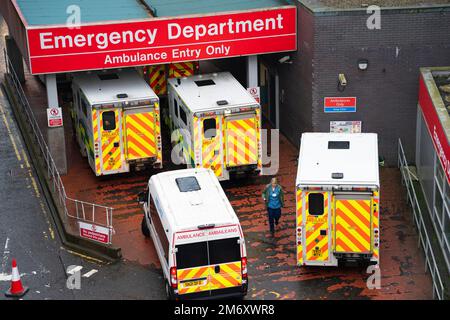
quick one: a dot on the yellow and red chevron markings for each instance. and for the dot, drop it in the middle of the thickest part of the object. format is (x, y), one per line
(96, 141)
(299, 203)
(211, 153)
(353, 226)
(205, 278)
(242, 142)
(181, 69)
(140, 135)
(158, 79)
(317, 244)
(111, 155)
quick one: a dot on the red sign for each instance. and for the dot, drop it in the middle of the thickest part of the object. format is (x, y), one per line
(332, 102)
(159, 40)
(54, 117)
(340, 104)
(437, 133)
(95, 233)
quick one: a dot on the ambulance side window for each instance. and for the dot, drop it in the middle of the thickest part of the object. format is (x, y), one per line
(109, 120)
(175, 107)
(159, 228)
(183, 116)
(209, 128)
(315, 203)
(83, 105)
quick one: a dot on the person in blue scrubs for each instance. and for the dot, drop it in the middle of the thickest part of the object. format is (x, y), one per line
(273, 196)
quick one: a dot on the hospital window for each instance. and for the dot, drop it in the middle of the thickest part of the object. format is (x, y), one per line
(209, 128)
(315, 203)
(109, 120)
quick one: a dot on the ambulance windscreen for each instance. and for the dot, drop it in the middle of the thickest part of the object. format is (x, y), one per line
(187, 184)
(192, 255)
(338, 144)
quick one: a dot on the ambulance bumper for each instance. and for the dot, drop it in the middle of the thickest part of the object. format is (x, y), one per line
(219, 294)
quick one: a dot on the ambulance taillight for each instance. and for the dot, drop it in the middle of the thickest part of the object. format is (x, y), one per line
(173, 277)
(244, 268)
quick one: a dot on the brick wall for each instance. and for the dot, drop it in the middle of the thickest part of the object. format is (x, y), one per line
(331, 43)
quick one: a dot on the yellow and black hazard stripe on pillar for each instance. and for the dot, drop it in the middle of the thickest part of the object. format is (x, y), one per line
(193, 280)
(140, 135)
(353, 226)
(97, 142)
(376, 226)
(299, 211)
(158, 79)
(230, 275)
(317, 242)
(181, 69)
(242, 143)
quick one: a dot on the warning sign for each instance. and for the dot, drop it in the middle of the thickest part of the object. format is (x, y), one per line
(54, 117)
(255, 92)
(94, 232)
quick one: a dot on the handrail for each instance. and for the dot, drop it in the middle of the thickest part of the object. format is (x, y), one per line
(424, 239)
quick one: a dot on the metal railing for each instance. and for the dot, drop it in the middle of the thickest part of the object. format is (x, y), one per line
(73, 208)
(424, 239)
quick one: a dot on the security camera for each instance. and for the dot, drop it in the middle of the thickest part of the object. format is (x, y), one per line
(342, 80)
(285, 59)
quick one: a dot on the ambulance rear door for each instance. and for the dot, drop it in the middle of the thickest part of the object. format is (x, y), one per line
(241, 139)
(211, 143)
(317, 235)
(112, 148)
(353, 220)
(141, 134)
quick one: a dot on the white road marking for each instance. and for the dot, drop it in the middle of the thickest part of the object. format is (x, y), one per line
(5, 255)
(90, 273)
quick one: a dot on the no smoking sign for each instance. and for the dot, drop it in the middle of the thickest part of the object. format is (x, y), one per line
(54, 117)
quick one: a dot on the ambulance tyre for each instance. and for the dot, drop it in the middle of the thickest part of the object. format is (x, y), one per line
(168, 290)
(144, 228)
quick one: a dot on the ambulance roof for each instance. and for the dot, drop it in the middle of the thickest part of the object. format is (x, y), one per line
(202, 92)
(104, 86)
(190, 209)
(354, 155)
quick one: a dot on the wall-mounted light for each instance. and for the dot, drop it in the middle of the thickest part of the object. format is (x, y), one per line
(363, 64)
(285, 60)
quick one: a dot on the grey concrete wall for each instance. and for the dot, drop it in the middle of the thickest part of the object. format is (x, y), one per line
(387, 92)
(296, 81)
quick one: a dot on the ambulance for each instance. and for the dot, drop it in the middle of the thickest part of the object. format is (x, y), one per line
(338, 199)
(216, 124)
(116, 119)
(197, 235)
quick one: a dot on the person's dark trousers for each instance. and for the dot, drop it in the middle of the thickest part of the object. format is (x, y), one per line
(274, 216)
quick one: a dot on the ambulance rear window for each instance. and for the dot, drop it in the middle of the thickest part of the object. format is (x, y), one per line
(315, 202)
(187, 184)
(225, 250)
(338, 144)
(192, 255)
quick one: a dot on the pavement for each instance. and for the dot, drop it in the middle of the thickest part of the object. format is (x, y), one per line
(27, 233)
(273, 273)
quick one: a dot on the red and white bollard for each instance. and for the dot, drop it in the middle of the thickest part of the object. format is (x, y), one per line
(17, 290)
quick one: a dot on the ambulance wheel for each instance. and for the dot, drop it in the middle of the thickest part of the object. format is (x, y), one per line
(144, 228)
(168, 290)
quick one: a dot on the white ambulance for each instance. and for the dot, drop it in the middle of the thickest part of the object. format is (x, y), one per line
(337, 195)
(116, 120)
(217, 124)
(196, 233)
